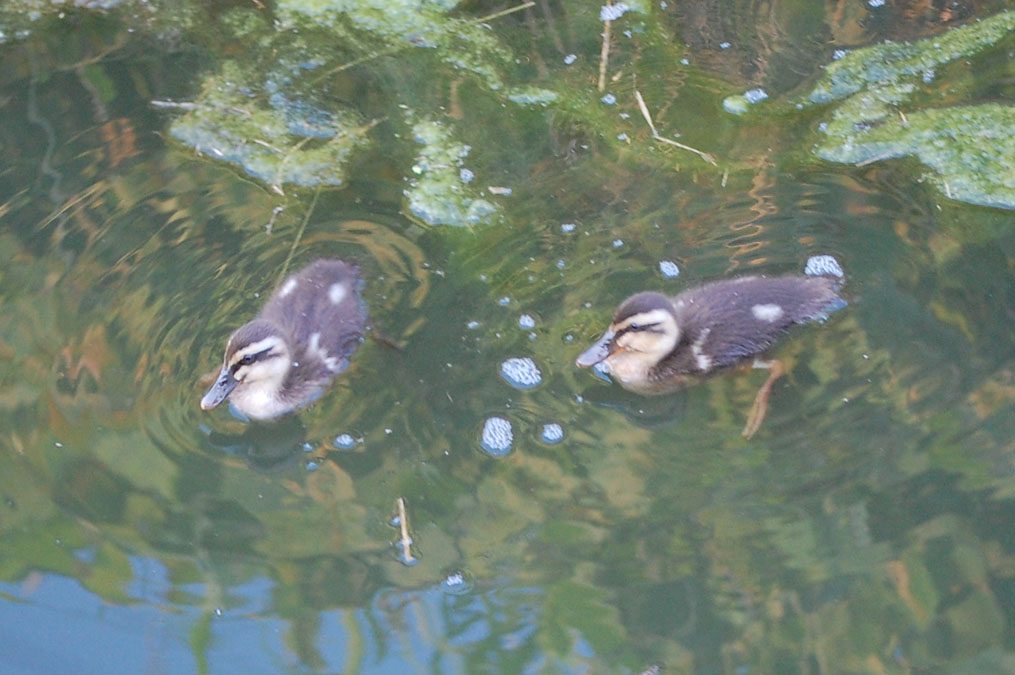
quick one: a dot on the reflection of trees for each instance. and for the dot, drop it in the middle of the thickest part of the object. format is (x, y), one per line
(866, 530)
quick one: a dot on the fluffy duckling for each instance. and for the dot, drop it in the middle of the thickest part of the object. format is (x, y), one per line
(657, 344)
(303, 337)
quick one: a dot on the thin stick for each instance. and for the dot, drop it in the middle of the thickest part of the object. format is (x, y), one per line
(645, 113)
(662, 139)
(299, 235)
(175, 105)
(403, 522)
(604, 54)
(505, 12)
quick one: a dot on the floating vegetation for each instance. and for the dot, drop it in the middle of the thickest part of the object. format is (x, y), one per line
(270, 136)
(970, 148)
(891, 61)
(437, 195)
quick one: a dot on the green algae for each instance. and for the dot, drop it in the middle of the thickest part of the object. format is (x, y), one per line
(888, 62)
(969, 147)
(440, 193)
(404, 24)
(272, 137)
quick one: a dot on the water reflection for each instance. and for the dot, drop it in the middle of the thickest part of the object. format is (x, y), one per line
(865, 527)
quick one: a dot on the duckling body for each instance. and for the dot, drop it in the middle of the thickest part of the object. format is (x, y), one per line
(303, 337)
(657, 344)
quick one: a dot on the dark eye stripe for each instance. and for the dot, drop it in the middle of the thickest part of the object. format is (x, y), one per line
(641, 328)
(250, 358)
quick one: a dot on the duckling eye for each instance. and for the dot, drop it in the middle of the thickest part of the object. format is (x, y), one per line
(247, 360)
(634, 326)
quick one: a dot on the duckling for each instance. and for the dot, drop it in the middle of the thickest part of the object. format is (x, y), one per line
(657, 344)
(303, 337)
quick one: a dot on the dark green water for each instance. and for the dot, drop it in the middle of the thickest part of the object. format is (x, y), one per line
(868, 527)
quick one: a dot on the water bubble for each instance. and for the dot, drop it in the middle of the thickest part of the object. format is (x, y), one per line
(609, 99)
(567, 227)
(560, 264)
(755, 95)
(344, 441)
(472, 325)
(685, 61)
(823, 265)
(613, 12)
(617, 243)
(312, 465)
(466, 175)
(570, 58)
(521, 373)
(308, 447)
(526, 321)
(455, 584)
(725, 45)
(669, 269)
(552, 433)
(497, 436)
(504, 302)
(838, 54)
(876, 3)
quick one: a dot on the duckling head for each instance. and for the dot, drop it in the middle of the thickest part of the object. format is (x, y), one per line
(643, 333)
(256, 363)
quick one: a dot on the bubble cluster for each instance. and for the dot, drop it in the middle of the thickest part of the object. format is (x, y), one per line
(526, 321)
(497, 436)
(521, 373)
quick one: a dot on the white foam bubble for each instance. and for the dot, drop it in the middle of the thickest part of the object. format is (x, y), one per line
(497, 436)
(521, 373)
(669, 269)
(552, 433)
(823, 265)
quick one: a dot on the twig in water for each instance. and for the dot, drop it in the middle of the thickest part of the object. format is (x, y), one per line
(505, 12)
(662, 139)
(403, 523)
(604, 54)
(173, 105)
(299, 235)
(645, 113)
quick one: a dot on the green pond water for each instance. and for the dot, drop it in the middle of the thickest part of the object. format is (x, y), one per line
(165, 163)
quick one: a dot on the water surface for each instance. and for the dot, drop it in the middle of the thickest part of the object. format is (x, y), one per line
(865, 528)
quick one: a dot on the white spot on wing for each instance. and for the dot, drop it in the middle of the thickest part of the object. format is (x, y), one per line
(336, 293)
(769, 312)
(315, 348)
(701, 359)
(287, 288)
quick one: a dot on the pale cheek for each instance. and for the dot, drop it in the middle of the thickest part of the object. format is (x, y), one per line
(625, 368)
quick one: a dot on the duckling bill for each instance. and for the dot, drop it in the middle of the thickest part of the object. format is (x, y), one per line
(657, 344)
(303, 337)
